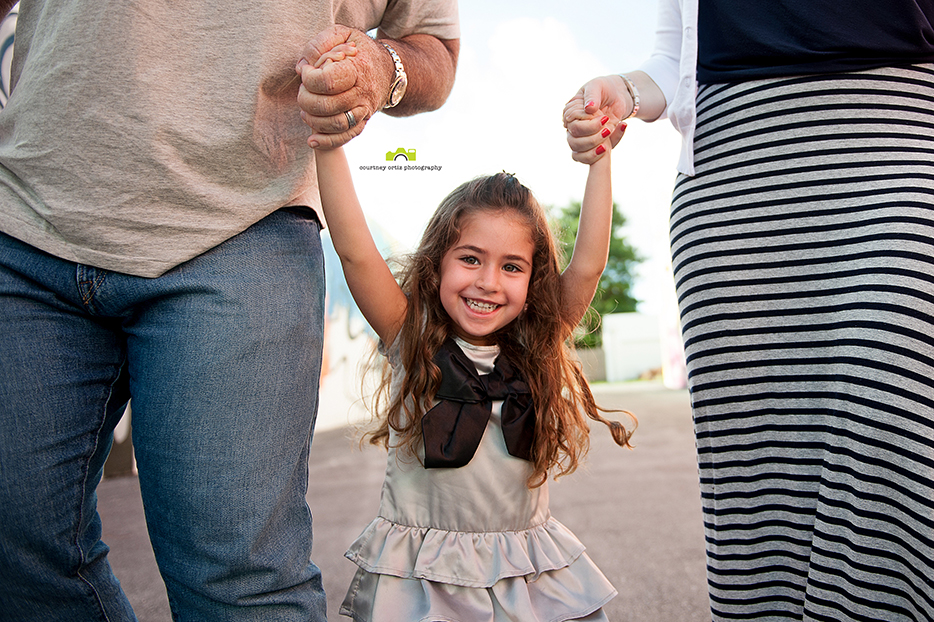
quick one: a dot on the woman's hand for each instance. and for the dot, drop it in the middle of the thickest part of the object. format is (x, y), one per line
(610, 96)
(593, 116)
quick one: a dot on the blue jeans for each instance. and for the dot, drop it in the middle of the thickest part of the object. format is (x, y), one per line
(221, 356)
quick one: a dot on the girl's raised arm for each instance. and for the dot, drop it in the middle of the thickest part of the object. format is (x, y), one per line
(591, 249)
(371, 282)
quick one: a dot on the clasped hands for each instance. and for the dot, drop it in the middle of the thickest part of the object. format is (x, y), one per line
(592, 118)
(343, 71)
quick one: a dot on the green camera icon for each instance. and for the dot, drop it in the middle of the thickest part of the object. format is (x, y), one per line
(401, 154)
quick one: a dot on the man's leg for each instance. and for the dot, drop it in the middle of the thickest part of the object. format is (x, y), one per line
(62, 391)
(224, 362)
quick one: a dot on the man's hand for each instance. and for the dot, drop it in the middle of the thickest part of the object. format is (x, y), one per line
(358, 84)
(337, 99)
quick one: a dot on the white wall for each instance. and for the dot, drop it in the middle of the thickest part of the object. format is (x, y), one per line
(637, 343)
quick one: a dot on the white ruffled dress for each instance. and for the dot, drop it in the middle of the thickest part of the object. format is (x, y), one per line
(470, 544)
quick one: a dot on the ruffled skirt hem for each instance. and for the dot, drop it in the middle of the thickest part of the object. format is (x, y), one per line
(576, 592)
(467, 559)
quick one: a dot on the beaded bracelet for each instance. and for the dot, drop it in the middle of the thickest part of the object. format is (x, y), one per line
(634, 93)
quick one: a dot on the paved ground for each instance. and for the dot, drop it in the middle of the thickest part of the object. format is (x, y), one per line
(637, 511)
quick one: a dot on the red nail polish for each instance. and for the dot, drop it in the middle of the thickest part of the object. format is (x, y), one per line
(589, 104)
(622, 128)
(606, 132)
(600, 149)
(604, 120)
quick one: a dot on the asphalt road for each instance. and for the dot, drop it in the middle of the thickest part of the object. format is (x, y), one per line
(638, 513)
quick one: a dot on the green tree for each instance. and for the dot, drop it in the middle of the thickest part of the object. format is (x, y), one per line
(614, 292)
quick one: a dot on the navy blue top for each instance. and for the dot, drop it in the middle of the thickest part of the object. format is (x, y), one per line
(750, 39)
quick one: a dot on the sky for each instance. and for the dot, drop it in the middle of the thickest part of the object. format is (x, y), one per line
(520, 61)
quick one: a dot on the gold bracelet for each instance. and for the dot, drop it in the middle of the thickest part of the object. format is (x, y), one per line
(634, 93)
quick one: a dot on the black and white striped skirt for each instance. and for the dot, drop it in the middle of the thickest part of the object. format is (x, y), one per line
(803, 253)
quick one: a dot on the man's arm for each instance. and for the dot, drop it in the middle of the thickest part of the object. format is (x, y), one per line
(430, 65)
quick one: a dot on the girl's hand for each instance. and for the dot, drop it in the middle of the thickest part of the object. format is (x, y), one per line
(337, 54)
(610, 94)
(591, 130)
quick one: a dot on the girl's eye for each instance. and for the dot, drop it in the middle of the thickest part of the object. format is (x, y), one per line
(470, 259)
(511, 267)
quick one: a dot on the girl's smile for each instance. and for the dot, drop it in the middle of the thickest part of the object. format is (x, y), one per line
(481, 307)
(485, 275)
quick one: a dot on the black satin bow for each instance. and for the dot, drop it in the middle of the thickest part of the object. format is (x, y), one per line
(453, 428)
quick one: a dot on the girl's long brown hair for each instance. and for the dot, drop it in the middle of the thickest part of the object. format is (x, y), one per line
(535, 342)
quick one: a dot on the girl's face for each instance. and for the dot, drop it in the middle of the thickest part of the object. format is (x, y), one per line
(485, 274)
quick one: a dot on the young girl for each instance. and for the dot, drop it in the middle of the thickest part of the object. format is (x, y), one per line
(482, 402)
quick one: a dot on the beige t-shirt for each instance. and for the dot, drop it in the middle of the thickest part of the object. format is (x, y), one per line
(143, 133)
